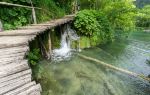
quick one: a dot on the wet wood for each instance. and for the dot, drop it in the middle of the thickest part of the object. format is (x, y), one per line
(114, 67)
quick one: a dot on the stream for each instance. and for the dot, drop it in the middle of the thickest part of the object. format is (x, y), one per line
(83, 77)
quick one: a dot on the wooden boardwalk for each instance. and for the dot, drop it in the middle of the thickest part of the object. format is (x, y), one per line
(15, 74)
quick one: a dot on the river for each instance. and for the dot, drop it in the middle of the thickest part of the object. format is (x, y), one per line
(83, 77)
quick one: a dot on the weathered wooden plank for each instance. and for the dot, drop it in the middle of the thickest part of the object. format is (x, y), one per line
(36, 88)
(5, 84)
(12, 50)
(13, 55)
(7, 61)
(15, 58)
(41, 28)
(13, 68)
(20, 32)
(47, 25)
(35, 93)
(14, 76)
(14, 86)
(21, 89)
(14, 41)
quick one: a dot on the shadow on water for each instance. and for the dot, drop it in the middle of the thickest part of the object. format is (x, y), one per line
(83, 77)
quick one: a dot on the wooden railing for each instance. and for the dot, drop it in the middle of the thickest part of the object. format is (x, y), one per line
(23, 6)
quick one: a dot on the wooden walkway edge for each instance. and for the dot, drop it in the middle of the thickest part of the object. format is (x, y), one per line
(15, 74)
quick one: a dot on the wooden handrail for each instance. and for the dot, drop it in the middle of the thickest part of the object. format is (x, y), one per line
(18, 5)
(30, 7)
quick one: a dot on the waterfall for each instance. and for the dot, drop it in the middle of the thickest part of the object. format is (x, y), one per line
(65, 51)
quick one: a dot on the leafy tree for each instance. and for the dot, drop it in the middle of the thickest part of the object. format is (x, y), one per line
(121, 14)
(143, 19)
(95, 25)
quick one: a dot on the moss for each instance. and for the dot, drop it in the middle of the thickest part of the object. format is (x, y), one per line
(84, 42)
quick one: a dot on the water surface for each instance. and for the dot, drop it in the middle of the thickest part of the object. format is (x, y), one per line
(83, 77)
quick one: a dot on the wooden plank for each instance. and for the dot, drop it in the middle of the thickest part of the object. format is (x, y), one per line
(13, 68)
(14, 76)
(12, 59)
(21, 89)
(36, 88)
(41, 28)
(14, 41)
(15, 62)
(35, 93)
(13, 55)
(13, 50)
(22, 32)
(5, 84)
(7, 61)
(14, 86)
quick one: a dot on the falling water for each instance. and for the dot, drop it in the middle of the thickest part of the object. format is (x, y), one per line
(65, 51)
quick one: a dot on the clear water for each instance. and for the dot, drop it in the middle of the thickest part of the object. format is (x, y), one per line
(83, 77)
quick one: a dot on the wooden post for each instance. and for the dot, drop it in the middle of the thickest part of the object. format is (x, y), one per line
(1, 26)
(34, 16)
(50, 45)
(33, 13)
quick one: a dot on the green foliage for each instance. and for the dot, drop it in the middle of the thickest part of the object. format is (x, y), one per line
(109, 17)
(94, 4)
(87, 4)
(13, 17)
(86, 23)
(93, 24)
(51, 10)
(121, 15)
(34, 56)
(65, 5)
(143, 19)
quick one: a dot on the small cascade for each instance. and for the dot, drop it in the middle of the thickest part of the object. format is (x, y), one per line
(65, 51)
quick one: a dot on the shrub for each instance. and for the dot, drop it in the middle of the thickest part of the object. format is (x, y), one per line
(34, 56)
(143, 19)
(93, 24)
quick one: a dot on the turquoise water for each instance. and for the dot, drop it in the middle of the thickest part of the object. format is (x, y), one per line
(83, 77)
